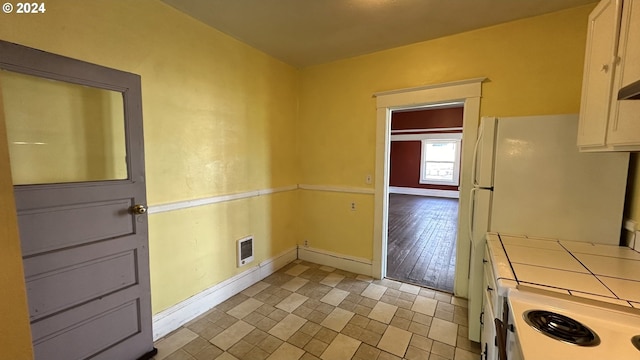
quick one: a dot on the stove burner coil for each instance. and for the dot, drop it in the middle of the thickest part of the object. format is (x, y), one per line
(561, 328)
(636, 341)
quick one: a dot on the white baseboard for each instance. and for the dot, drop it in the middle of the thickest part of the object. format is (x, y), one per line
(339, 261)
(630, 233)
(454, 194)
(172, 318)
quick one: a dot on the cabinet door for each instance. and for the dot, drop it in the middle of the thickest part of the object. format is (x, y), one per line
(604, 26)
(624, 128)
(488, 340)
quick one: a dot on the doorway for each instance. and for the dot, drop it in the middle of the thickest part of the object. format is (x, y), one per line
(466, 92)
(424, 176)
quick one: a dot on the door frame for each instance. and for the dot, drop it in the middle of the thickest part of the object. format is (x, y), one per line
(467, 92)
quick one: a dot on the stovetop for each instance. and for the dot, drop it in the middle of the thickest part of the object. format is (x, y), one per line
(617, 327)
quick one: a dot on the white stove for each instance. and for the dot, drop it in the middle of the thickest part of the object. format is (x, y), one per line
(616, 328)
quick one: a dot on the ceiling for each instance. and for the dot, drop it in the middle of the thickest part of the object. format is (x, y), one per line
(310, 32)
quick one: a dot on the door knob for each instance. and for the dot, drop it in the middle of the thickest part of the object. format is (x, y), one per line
(138, 209)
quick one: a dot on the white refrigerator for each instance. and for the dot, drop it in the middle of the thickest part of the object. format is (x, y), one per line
(530, 179)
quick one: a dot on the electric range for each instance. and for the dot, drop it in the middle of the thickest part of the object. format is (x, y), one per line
(604, 331)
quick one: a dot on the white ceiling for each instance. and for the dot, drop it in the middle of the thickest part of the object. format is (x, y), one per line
(310, 32)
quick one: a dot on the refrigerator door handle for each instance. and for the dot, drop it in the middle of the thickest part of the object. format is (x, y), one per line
(474, 168)
(472, 202)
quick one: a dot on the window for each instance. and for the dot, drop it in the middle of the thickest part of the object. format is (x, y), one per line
(440, 162)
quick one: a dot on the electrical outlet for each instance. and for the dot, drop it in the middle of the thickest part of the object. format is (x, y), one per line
(353, 206)
(368, 179)
(306, 243)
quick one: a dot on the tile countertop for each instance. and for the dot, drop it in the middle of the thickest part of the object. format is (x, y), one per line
(604, 273)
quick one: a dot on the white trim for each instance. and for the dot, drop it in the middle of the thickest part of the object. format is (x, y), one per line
(466, 91)
(419, 137)
(630, 233)
(155, 209)
(172, 318)
(340, 261)
(407, 131)
(341, 189)
(453, 194)
(630, 225)
(408, 91)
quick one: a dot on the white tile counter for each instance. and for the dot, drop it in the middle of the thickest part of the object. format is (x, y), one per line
(600, 272)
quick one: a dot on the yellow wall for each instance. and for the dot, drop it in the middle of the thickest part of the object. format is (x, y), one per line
(219, 118)
(534, 66)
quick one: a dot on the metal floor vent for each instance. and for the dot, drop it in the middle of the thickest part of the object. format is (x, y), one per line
(245, 251)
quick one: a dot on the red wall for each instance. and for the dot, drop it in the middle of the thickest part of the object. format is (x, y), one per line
(405, 155)
(427, 119)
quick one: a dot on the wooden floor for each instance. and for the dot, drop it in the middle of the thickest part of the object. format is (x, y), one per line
(422, 240)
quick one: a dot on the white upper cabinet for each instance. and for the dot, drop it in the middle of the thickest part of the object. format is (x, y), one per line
(599, 66)
(612, 60)
(624, 128)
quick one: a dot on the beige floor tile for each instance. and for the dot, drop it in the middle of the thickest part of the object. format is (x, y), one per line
(374, 291)
(270, 344)
(337, 319)
(459, 302)
(436, 357)
(315, 347)
(332, 279)
(327, 268)
(294, 284)
(383, 312)
(414, 353)
(287, 327)
(232, 335)
(367, 352)
(286, 351)
(341, 348)
(245, 308)
(335, 297)
(443, 297)
(364, 278)
(421, 342)
(428, 293)
(425, 305)
(462, 354)
(395, 341)
(226, 356)
(292, 302)
(443, 350)
(443, 331)
(297, 270)
(254, 289)
(173, 342)
(411, 289)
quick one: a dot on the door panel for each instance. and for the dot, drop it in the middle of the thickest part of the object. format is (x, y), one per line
(94, 329)
(77, 160)
(75, 283)
(48, 229)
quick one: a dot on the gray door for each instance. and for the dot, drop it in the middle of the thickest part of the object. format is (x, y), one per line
(76, 146)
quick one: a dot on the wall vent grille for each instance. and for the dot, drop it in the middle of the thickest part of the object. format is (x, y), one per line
(245, 251)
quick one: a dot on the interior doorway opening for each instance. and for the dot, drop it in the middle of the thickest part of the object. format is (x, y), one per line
(423, 178)
(466, 92)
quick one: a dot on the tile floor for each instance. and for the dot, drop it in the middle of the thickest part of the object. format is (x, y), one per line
(307, 311)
